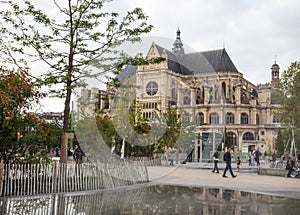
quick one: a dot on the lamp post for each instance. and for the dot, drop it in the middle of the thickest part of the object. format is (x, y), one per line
(123, 148)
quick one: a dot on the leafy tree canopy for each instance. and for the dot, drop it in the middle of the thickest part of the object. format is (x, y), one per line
(69, 38)
(288, 95)
(22, 134)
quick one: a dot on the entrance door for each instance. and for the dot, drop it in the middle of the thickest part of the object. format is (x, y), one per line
(251, 148)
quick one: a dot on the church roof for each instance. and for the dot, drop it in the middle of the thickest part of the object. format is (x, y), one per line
(127, 73)
(275, 66)
(199, 62)
(188, 64)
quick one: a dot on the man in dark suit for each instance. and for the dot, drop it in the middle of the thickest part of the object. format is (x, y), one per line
(216, 160)
(227, 159)
(290, 166)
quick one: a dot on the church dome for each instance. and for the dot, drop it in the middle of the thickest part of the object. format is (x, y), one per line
(275, 66)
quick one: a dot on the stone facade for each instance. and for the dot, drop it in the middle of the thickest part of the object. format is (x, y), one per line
(207, 89)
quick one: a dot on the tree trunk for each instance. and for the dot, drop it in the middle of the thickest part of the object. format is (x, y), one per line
(177, 153)
(167, 156)
(64, 148)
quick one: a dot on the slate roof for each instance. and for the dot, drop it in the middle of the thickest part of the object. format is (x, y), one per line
(127, 73)
(193, 63)
(201, 62)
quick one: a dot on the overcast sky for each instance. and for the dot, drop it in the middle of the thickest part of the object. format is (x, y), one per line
(252, 31)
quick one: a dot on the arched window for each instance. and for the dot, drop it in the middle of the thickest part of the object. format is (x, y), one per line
(198, 96)
(276, 119)
(186, 100)
(224, 89)
(257, 119)
(147, 115)
(200, 118)
(254, 92)
(229, 118)
(174, 94)
(185, 118)
(214, 118)
(244, 118)
(248, 136)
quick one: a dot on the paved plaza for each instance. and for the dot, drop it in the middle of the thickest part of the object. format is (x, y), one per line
(198, 174)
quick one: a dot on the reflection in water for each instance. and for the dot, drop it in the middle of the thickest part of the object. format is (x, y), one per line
(158, 199)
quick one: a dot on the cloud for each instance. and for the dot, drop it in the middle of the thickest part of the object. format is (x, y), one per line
(253, 32)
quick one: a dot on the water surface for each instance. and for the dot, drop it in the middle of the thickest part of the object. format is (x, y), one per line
(154, 199)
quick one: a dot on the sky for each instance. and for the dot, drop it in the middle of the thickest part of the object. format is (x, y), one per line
(252, 31)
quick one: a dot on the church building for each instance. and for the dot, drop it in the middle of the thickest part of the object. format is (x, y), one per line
(208, 91)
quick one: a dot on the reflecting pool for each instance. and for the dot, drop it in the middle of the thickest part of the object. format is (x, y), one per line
(153, 199)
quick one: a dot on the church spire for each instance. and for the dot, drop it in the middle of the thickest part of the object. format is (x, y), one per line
(177, 45)
(275, 74)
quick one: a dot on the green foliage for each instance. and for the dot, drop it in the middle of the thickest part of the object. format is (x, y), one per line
(141, 126)
(137, 122)
(173, 126)
(283, 141)
(26, 138)
(289, 99)
(279, 144)
(107, 130)
(288, 95)
(140, 151)
(84, 34)
(23, 136)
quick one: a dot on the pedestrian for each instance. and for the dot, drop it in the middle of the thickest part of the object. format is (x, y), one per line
(227, 159)
(78, 154)
(273, 157)
(251, 158)
(290, 166)
(216, 161)
(56, 150)
(257, 157)
(238, 163)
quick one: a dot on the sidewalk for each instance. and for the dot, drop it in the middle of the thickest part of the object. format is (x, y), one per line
(199, 174)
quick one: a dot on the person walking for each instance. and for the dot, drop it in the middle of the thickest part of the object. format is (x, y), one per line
(257, 157)
(216, 161)
(238, 163)
(251, 158)
(57, 150)
(78, 154)
(290, 166)
(227, 159)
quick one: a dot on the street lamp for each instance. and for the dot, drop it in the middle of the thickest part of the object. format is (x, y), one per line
(123, 148)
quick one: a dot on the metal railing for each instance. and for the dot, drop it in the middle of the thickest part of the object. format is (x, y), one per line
(56, 177)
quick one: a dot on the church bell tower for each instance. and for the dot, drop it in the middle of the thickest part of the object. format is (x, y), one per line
(275, 74)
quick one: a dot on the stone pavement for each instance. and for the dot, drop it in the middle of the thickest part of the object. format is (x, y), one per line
(200, 175)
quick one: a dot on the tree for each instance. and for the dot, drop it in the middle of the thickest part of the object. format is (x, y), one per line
(38, 137)
(279, 144)
(107, 130)
(17, 94)
(289, 98)
(83, 34)
(173, 126)
(139, 126)
(288, 95)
